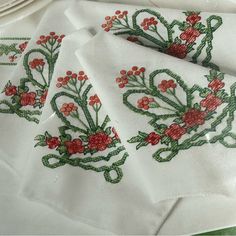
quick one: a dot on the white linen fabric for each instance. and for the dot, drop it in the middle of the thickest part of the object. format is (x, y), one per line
(202, 165)
(126, 207)
(192, 36)
(202, 5)
(25, 93)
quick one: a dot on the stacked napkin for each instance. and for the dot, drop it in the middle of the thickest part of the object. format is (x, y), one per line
(191, 35)
(25, 93)
(76, 144)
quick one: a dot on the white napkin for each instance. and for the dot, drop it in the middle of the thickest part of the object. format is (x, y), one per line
(201, 5)
(70, 170)
(25, 93)
(183, 134)
(198, 37)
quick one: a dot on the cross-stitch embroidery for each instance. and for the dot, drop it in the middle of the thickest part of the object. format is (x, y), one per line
(181, 116)
(28, 97)
(149, 28)
(11, 49)
(86, 131)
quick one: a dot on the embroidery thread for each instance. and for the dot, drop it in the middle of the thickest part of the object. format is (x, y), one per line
(28, 97)
(85, 132)
(11, 51)
(155, 32)
(181, 116)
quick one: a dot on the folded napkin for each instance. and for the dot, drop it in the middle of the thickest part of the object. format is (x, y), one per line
(75, 146)
(202, 5)
(13, 41)
(25, 93)
(197, 37)
(175, 117)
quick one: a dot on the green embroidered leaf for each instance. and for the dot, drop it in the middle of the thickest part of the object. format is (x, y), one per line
(136, 139)
(199, 26)
(62, 149)
(65, 137)
(166, 140)
(7, 49)
(39, 137)
(108, 130)
(16, 99)
(222, 94)
(84, 138)
(47, 135)
(142, 134)
(178, 121)
(41, 144)
(205, 92)
(142, 144)
(197, 106)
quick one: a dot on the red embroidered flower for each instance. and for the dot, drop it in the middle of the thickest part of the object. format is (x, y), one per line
(27, 99)
(99, 141)
(109, 20)
(193, 19)
(52, 37)
(177, 50)
(23, 46)
(68, 108)
(144, 103)
(53, 142)
(82, 76)
(116, 136)
(122, 81)
(190, 35)
(194, 117)
(36, 63)
(12, 58)
(74, 146)
(211, 102)
(94, 100)
(133, 39)
(216, 85)
(175, 131)
(10, 90)
(147, 22)
(167, 84)
(153, 138)
(43, 97)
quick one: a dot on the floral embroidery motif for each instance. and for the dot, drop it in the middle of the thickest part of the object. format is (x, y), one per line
(155, 32)
(86, 131)
(28, 97)
(10, 51)
(180, 116)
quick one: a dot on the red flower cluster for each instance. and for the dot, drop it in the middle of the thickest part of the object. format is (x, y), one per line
(52, 37)
(147, 22)
(23, 46)
(27, 99)
(211, 102)
(10, 90)
(153, 138)
(190, 35)
(99, 141)
(177, 50)
(94, 100)
(167, 84)
(68, 108)
(175, 131)
(110, 19)
(74, 146)
(62, 81)
(144, 103)
(43, 97)
(194, 117)
(37, 63)
(194, 18)
(216, 85)
(123, 80)
(53, 142)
